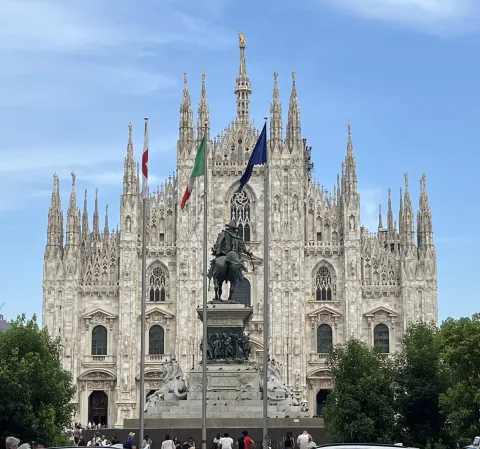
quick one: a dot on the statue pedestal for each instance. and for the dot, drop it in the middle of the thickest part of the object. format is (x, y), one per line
(227, 382)
(234, 386)
(225, 316)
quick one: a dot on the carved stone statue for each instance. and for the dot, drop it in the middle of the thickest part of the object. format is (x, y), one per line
(227, 265)
(173, 383)
(351, 223)
(276, 389)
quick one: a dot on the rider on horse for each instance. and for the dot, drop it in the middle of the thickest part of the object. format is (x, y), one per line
(227, 241)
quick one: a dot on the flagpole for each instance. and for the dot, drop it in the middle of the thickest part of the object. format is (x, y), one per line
(205, 280)
(143, 303)
(266, 256)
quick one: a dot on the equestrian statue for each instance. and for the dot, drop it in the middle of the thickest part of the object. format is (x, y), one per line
(227, 265)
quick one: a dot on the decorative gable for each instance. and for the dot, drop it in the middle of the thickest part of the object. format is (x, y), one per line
(97, 375)
(324, 315)
(381, 315)
(157, 315)
(99, 316)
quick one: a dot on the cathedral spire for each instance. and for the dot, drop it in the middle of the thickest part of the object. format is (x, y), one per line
(85, 230)
(73, 220)
(54, 248)
(186, 136)
(203, 125)
(96, 222)
(294, 129)
(106, 231)
(243, 88)
(380, 224)
(349, 184)
(407, 231)
(424, 218)
(390, 215)
(129, 180)
(276, 127)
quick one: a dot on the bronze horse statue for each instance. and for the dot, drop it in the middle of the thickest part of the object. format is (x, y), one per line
(227, 268)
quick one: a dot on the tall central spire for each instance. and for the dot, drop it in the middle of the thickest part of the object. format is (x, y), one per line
(243, 88)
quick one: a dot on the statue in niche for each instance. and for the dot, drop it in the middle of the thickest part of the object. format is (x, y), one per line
(351, 223)
(352, 268)
(227, 265)
(129, 224)
(227, 348)
(411, 269)
(127, 268)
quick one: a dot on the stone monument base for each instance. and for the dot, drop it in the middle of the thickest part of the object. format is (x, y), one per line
(234, 385)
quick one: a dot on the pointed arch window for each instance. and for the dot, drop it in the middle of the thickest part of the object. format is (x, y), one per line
(157, 285)
(324, 285)
(156, 340)
(99, 340)
(240, 214)
(324, 338)
(381, 338)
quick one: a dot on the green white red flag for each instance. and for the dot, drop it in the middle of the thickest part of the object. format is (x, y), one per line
(198, 170)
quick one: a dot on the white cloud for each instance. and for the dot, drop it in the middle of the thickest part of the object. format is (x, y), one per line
(92, 27)
(65, 156)
(63, 54)
(436, 16)
(26, 173)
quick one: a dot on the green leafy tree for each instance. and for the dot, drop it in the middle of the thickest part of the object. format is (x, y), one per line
(420, 379)
(461, 352)
(360, 407)
(35, 391)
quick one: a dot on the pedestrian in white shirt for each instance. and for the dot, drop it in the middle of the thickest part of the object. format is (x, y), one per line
(168, 443)
(302, 440)
(226, 442)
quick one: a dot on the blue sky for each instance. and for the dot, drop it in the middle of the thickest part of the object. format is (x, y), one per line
(404, 72)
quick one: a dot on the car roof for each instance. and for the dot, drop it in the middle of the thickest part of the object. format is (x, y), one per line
(362, 445)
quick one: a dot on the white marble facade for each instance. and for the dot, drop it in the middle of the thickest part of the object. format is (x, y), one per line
(329, 277)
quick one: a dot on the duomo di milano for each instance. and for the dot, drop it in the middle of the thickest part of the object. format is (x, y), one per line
(329, 277)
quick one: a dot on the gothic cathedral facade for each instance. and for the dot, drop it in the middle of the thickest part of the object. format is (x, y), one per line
(330, 279)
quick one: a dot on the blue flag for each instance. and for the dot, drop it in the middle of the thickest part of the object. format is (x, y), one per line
(258, 157)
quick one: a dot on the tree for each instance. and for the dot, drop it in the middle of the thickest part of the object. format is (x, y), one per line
(461, 352)
(360, 407)
(419, 381)
(35, 390)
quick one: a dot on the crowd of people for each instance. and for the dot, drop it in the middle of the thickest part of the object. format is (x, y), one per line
(303, 441)
(14, 443)
(77, 438)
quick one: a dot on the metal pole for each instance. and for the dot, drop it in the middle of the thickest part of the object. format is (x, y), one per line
(205, 286)
(142, 316)
(266, 230)
(142, 325)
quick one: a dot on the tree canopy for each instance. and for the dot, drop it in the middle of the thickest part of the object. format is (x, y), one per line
(427, 395)
(419, 382)
(360, 408)
(35, 390)
(461, 353)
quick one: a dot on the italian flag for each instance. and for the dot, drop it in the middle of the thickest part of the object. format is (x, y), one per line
(198, 170)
